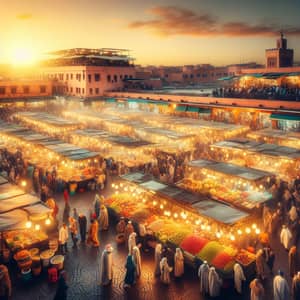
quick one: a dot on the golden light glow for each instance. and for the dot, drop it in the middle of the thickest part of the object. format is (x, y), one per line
(37, 227)
(28, 224)
(22, 56)
(48, 221)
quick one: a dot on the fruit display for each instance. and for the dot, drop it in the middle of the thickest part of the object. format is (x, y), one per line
(19, 239)
(125, 205)
(245, 257)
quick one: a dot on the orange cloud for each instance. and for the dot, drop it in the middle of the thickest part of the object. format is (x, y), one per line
(24, 16)
(172, 20)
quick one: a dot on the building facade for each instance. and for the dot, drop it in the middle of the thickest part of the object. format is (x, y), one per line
(23, 89)
(88, 73)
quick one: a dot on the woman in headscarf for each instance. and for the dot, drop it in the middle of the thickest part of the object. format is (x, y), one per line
(157, 258)
(165, 271)
(137, 260)
(178, 263)
(93, 234)
(103, 219)
(130, 272)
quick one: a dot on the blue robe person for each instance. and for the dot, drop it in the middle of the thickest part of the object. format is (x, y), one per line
(130, 271)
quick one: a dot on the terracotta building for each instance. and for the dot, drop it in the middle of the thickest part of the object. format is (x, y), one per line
(22, 89)
(88, 73)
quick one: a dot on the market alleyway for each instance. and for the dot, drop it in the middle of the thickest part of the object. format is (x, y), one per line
(82, 266)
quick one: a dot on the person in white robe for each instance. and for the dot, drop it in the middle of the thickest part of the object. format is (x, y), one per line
(165, 271)
(257, 291)
(178, 263)
(293, 214)
(203, 277)
(239, 277)
(131, 242)
(103, 219)
(280, 287)
(136, 254)
(285, 237)
(215, 283)
(157, 259)
(106, 266)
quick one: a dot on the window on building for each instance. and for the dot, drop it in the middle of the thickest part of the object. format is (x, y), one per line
(126, 76)
(108, 78)
(83, 76)
(121, 77)
(42, 89)
(198, 75)
(71, 90)
(67, 76)
(191, 76)
(71, 76)
(26, 89)
(130, 76)
(91, 91)
(67, 89)
(90, 78)
(2, 90)
(204, 75)
(13, 89)
(97, 77)
(97, 91)
(166, 75)
(79, 90)
(79, 77)
(83, 91)
(61, 76)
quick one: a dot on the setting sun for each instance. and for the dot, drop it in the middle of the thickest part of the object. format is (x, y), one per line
(22, 56)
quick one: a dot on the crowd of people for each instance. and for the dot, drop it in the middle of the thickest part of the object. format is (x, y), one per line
(263, 92)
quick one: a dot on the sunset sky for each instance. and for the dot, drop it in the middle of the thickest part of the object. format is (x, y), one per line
(165, 32)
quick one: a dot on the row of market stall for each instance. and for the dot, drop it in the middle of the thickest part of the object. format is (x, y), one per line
(71, 162)
(280, 160)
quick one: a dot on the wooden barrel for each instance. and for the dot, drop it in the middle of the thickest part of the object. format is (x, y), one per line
(46, 256)
(23, 259)
(57, 261)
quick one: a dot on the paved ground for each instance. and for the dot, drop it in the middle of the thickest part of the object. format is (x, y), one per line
(82, 266)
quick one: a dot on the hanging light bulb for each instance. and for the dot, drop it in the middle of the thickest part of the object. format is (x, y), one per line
(48, 221)
(28, 224)
(37, 227)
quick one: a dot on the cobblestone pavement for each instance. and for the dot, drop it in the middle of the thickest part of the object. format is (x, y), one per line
(82, 266)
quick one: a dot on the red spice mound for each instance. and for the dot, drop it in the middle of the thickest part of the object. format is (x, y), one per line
(193, 244)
